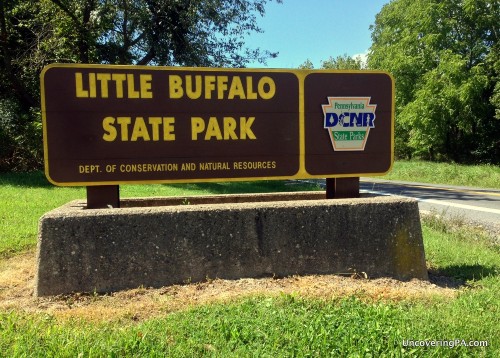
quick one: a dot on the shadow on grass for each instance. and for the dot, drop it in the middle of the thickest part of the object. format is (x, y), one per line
(455, 276)
(26, 180)
(37, 179)
(265, 186)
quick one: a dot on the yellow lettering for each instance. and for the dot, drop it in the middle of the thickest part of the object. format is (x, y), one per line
(132, 92)
(245, 130)
(104, 78)
(175, 86)
(193, 93)
(250, 93)
(261, 87)
(168, 128)
(119, 78)
(88, 169)
(155, 126)
(80, 92)
(230, 128)
(124, 123)
(92, 86)
(197, 127)
(213, 129)
(107, 125)
(140, 130)
(236, 89)
(209, 86)
(221, 86)
(145, 81)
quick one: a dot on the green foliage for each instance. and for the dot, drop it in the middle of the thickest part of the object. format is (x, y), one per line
(442, 55)
(494, 63)
(21, 138)
(442, 118)
(343, 62)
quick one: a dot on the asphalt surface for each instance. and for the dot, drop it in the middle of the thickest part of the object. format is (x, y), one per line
(475, 205)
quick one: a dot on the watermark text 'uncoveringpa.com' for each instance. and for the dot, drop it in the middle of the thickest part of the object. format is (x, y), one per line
(450, 343)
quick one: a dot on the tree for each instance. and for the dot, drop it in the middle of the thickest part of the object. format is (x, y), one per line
(494, 64)
(20, 125)
(343, 62)
(442, 55)
(164, 32)
(34, 33)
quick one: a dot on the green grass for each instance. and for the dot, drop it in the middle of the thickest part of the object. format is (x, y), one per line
(483, 176)
(271, 327)
(24, 198)
(254, 327)
(476, 254)
(263, 326)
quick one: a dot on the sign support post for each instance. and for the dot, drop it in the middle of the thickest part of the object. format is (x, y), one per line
(341, 188)
(103, 196)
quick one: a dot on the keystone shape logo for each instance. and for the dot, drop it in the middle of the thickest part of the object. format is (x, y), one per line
(348, 121)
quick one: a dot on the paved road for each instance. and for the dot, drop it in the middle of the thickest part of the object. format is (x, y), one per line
(481, 206)
(473, 204)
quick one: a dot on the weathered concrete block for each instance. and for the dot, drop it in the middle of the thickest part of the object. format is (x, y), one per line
(154, 242)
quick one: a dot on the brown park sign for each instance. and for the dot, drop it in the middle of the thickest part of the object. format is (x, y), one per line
(108, 125)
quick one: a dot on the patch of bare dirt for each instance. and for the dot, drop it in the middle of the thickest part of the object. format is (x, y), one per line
(17, 277)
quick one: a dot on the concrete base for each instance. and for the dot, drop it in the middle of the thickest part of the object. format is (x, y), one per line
(153, 242)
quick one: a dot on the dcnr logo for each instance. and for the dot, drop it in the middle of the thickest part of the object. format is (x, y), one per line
(348, 121)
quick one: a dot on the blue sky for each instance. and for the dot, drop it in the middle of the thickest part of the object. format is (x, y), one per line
(315, 30)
